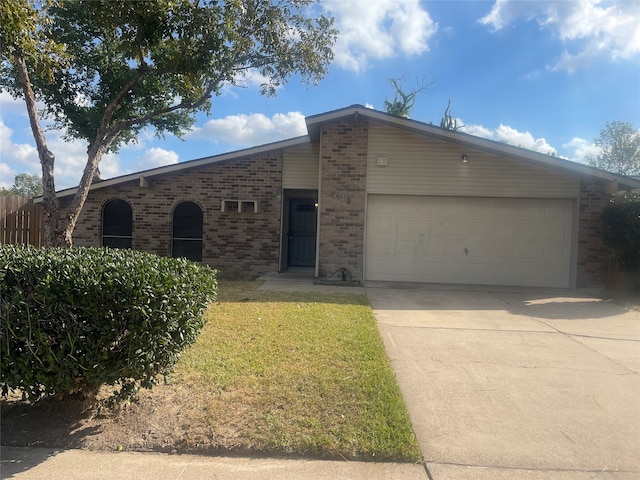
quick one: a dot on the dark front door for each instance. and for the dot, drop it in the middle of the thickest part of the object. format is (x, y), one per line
(302, 232)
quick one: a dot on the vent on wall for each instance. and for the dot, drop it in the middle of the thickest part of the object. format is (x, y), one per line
(239, 206)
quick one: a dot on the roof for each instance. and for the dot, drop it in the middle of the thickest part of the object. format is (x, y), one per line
(314, 123)
(187, 165)
(472, 141)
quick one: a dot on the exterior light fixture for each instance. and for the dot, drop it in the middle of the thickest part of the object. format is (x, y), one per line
(465, 159)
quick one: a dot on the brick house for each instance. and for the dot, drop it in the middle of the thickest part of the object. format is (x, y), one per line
(367, 196)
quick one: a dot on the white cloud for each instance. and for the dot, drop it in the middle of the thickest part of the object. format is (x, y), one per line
(16, 157)
(251, 78)
(581, 150)
(155, 157)
(379, 29)
(587, 28)
(7, 174)
(70, 158)
(252, 129)
(10, 106)
(511, 136)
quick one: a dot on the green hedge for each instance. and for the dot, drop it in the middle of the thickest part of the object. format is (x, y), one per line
(621, 224)
(72, 320)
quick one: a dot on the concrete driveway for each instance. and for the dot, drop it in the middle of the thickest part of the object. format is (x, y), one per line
(516, 384)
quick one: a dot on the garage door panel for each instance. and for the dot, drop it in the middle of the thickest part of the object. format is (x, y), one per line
(502, 251)
(503, 231)
(554, 233)
(453, 249)
(455, 228)
(499, 241)
(553, 254)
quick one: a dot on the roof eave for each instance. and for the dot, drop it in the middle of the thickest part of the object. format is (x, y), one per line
(177, 167)
(315, 121)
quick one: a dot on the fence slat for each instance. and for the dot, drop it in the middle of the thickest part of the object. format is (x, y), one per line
(20, 221)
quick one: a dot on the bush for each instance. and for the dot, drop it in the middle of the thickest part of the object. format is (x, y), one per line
(72, 320)
(621, 222)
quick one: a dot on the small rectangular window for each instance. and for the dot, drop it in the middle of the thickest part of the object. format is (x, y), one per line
(229, 205)
(240, 206)
(250, 206)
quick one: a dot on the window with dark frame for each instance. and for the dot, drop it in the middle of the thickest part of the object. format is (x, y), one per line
(187, 231)
(117, 224)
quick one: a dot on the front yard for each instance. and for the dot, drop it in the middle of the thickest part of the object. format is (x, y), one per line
(271, 373)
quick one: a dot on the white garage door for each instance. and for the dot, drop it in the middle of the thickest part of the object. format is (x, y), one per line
(469, 240)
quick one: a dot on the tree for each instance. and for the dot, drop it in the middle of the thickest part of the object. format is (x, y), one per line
(25, 185)
(619, 146)
(105, 70)
(448, 121)
(402, 103)
(621, 234)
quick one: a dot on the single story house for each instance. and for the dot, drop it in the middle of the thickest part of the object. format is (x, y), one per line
(367, 196)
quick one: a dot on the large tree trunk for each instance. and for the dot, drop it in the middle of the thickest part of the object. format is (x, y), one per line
(47, 159)
(94, 154)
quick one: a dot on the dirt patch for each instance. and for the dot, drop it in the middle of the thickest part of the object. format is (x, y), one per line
(167, 419)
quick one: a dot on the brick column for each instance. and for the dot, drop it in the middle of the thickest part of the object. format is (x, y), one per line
(343, 158)
(593, 258)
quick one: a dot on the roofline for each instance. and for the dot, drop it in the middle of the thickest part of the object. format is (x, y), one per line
(314, 122)
(177, 167)
(465, 139)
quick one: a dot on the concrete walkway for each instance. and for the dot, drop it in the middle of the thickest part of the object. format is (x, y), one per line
(41, 463)
(525, 384)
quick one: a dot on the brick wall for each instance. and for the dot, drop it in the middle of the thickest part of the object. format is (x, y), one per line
(593, 259)
(242, 244)
(343, 157)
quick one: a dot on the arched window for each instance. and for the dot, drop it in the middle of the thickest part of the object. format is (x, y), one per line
(187, 231)
(117, 224)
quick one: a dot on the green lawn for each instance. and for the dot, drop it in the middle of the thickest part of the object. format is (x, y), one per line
(301, 373)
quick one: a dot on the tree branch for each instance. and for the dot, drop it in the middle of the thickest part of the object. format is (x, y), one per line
(115, 103)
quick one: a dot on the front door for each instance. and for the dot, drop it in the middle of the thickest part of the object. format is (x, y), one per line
(302, 232)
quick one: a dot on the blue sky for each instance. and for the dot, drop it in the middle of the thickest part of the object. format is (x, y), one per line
(542, 75)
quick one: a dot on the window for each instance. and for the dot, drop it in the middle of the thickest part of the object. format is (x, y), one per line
(241, 206)
(187, 231)
(117, 224)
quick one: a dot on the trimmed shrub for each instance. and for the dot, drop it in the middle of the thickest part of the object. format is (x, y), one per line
(72, 320)
(621, 220)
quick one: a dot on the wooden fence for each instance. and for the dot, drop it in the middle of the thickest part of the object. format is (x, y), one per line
(21, 221)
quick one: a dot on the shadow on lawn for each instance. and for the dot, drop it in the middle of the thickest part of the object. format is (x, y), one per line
(48, 423)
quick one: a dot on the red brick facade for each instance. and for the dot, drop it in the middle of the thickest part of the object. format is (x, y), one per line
(343, 170)
(243, 244)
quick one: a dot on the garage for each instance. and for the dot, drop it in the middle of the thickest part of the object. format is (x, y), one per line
(469, 240)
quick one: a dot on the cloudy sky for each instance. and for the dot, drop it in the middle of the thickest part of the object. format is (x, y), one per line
(541, 75)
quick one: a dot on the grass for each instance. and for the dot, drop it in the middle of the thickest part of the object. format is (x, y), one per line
(297, 373)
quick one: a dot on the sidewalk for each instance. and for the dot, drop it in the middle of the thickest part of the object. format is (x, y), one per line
(40, 463)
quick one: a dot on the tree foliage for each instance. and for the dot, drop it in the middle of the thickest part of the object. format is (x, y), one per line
(621, 221)
(25, 185)
(448, 121)
(619, 146)
(105, 70)
(403, 102)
